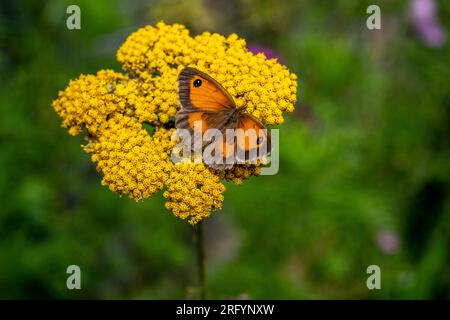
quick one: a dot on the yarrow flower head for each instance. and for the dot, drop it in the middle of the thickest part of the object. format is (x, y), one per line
(114, 109)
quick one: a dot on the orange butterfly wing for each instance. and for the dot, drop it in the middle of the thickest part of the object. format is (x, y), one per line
(197, 90)
(223, 151)
(253, 139)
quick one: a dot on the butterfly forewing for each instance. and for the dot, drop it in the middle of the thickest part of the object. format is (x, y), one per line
(197, 90)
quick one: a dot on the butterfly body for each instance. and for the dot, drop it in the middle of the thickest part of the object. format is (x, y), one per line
(206, 105)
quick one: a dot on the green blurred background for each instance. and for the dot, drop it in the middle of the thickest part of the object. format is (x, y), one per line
(364, 175)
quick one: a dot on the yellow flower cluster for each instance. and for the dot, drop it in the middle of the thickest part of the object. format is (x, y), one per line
(87, 101)
(131, 161)
(238, 174)
(192, 191)
(114, 107)
(157, 54)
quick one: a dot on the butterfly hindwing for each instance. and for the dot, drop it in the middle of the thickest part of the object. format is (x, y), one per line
(222, 149)
(252, 139)
(200, 121)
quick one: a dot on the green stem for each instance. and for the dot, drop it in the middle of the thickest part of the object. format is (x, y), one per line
(200, 248)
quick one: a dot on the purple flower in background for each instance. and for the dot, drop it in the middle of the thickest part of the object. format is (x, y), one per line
(426, 22)
(388, 241)
(257, 48)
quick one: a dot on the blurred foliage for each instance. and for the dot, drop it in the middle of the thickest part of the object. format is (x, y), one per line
(367, 151)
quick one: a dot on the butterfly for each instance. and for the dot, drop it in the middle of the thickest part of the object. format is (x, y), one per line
(206, 105)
